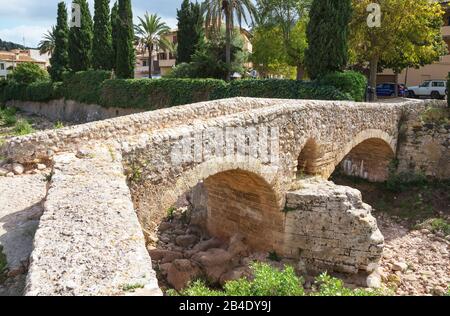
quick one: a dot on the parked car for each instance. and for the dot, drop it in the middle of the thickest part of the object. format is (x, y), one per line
(435, 89)
(388, 90)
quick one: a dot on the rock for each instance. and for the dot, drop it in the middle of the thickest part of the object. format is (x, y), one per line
(164, 268)
(399, 266)
(41, 166)
(164, 256)
(10, 174)
(237, 246)
(207, 244)
(15, 272)
(17, 168)
(214, 262)
(371, 267)
(3, 172)
(235, 274)
(165, 226)
(438, 291)
(186, 240)
(374, 280)
(180, 272)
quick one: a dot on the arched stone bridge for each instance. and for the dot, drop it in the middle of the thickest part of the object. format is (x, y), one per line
(263, 165)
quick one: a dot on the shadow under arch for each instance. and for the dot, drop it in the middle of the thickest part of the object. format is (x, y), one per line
(308, 161)
(368, 156)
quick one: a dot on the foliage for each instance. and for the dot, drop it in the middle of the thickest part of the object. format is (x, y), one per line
(155, 94)
(327, 35)
(190, 30)
(26, 73)
(8, 116)
(409, 35)
(47, 44)
(84, 86)
(22, 127)
(439, 116)
(114, 31)
(58, 125)
(231, 10)
(209, 61)
(4, 45)
(398, 182)
(350, 82)
(436, 225)
(80, 40)
(150, 34)
(59, 60)
(270, 281)
(284, 23)
(125, 56)
(42, 91)
(102, 52)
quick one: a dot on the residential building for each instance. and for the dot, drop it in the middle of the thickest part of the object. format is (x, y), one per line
(437, 70)
(10, 59)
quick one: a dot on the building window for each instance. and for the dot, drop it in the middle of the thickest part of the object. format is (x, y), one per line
(144, 63)
(162, 56)
(175, 39)
(2, 66)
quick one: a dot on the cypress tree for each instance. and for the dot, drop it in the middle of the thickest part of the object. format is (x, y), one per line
(60, 59)
(125, 36)
(80, 40)
(327, 35)
(114, 31)
(102, 51)
(190, 30)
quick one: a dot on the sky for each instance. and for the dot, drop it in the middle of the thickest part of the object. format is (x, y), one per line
(25, 21)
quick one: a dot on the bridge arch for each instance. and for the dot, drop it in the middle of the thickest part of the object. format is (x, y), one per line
(242, 196)
(308, 159)
(368, 155)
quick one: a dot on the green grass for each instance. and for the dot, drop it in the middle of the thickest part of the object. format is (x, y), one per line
(8, 116)
(23, 127)
(270, 281)
(435, 225)
(171, 213)
(439, 116)
(58, 125)
(131, 287)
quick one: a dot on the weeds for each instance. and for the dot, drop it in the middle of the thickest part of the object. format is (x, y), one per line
(23, 127)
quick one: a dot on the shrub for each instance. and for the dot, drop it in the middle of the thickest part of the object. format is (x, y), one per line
(22, 127)
(156, 94)
(436, 225)
(42, 91)
(351, 82)
(26, 73)
(439, 116)
(270, 281)
(398, 182)
(84, 86)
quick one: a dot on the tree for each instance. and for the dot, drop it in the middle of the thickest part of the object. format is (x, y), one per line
(125, 58)
(102, 51)
(26, 73)
(59, 60)
(190, 30)
(114, 31)
(289, 19)
(327, 35)
(409, 36)
(47, 44)
(150, 32)
(80, 40)
(231, 10)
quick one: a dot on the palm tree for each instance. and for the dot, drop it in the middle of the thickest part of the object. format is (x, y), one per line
(216, 10)
(47, 44)
(150, 34)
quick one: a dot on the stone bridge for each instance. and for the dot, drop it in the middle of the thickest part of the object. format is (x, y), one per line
(262, 165)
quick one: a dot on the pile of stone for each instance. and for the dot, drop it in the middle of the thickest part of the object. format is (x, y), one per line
(16, 169)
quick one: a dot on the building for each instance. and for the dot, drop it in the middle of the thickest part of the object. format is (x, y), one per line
(437, 70)
(164, 60)
(10, 59)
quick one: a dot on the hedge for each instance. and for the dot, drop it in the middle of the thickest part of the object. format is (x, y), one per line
(96, 87)
(155, 94)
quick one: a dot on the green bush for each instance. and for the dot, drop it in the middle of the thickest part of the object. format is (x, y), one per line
(351, 82)
(8, 116)
(398, 182)
(84, 86)
(42, 91)
(26, 73)
(270, 281)
(15, 91)
(155, 94)
(22, 127)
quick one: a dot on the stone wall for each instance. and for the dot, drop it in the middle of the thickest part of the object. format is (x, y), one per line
(70, 111)
(425, 148)
(330, 228)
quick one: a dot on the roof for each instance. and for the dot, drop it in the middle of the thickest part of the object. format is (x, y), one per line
(11, 57)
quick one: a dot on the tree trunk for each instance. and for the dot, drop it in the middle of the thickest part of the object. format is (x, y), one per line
(228, 18)
(373, 78)
(150, 61)
(300, 72)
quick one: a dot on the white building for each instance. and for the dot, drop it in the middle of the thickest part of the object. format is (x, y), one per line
(10, 59)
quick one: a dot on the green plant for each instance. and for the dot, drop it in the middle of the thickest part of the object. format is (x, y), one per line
(23, 127)
(326, 285)
(58, 125)
(351, 82)
(436, 225)
(438, 116)
(26, 73)
(8, 116)
(131, 287)
(398, 182)
(171, 212)
(273, 256)
(60, 58)
(84, 86)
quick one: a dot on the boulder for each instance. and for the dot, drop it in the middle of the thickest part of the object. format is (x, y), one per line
(399, 266)
(214, 262)
(181, 272)
(237, 246)
(41, 166)
(164, 255)
(17, 168)
(186, 240)
(374, 280)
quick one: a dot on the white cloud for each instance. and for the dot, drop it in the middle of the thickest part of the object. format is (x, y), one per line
(31, 34)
